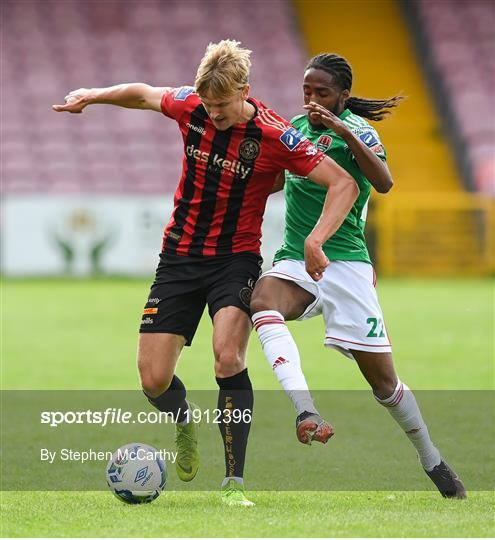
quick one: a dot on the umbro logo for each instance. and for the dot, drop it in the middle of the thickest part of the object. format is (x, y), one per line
(279, 361)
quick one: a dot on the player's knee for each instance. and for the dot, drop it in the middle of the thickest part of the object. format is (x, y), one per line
(153, 387)
(228, 362)
(384, 387)
(152, 382)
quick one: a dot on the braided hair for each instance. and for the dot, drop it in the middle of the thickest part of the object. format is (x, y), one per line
(341, 72)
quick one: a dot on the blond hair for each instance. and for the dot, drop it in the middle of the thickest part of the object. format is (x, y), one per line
(224, 69)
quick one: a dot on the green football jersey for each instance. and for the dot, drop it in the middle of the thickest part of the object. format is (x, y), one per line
(304, 199)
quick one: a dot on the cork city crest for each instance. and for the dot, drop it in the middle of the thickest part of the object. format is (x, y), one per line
(324, 142)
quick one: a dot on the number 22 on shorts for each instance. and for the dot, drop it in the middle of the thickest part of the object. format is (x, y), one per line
(376, 327)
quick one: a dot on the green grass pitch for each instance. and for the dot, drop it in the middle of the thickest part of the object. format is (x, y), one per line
(69, 334)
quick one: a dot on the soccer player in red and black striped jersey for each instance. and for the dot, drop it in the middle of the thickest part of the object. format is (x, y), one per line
(235, 148)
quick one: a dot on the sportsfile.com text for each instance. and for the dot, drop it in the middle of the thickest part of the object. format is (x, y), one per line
(113, 415)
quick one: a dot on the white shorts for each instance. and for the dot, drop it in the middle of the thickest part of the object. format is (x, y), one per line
(346, 297)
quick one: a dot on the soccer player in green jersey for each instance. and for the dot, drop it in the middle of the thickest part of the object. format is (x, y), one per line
(343, 291)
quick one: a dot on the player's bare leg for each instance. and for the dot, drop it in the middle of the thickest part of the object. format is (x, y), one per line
(157, 358)
(231, 330)
(274, 301)
(281, 295)
(389, 391)
(158, 354)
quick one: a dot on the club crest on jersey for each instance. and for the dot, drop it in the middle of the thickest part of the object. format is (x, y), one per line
(245, 295)
(182, 93)
(291, 138)
(369, 138)
(249, 149)
(324, 142)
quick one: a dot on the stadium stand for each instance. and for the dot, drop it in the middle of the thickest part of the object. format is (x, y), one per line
(460, 37)
(384, 64)
(52, 47)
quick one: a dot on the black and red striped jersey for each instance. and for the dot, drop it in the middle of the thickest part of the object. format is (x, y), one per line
(228, 175)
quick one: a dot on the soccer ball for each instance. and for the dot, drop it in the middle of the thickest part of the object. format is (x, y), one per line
(136, 473)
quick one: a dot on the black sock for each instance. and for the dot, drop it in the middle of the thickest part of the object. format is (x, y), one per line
(236, 394)
(172, 401)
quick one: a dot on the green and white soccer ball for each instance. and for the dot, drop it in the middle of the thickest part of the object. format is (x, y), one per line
(136, 473)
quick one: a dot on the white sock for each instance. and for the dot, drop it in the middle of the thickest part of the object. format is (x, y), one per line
(403, 407)
(283, 356)
(238, 479)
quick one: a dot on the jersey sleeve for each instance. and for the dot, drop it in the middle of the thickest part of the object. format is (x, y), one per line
(369, 136)
(291, 150)
(174, 101)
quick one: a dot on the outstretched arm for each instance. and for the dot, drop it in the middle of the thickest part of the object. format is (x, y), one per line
(131, 96)
(341, 195)
(375, 170)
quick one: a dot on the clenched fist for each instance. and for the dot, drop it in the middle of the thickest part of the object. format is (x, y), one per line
(315, 258)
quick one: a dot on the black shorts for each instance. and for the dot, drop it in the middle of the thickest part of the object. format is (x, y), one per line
(183, 286)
